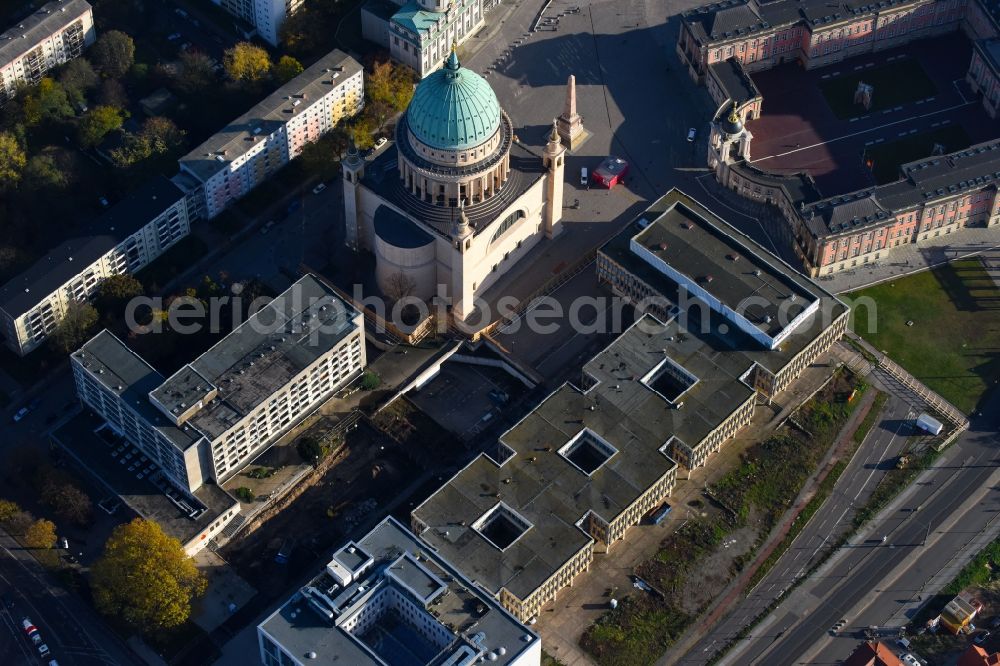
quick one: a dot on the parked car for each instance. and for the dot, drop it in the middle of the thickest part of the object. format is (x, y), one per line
(381, 142)
(285, 552)
(21, 413)
(909, 659)
(692, 134)
(319, 188)
(174, 36)
(981, 637)
(266, 228)
(584, 176)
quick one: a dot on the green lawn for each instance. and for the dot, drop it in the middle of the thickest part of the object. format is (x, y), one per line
(953, 342)
(895, 83)
(887, 157)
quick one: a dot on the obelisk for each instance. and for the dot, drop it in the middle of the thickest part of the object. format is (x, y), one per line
(570, 124)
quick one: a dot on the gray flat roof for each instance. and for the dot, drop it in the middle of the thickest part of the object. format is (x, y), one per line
(68, 259)
(476, 620)
(619, 250)
(141, 495)
(552, 493)
(259, 357)
(744, 280)
(47, 19)
(126, 374)
(736, 83)
(269, 115)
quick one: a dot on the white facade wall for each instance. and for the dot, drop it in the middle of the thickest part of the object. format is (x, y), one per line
(71, 33)
(426, 51)
(270, 152)
(264, 15)
(271, 419)
(174, 463)
(27, 331)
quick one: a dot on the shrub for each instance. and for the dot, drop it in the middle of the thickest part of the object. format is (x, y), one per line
(244, 495)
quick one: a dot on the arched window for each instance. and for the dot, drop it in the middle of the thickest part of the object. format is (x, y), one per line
(508, 222)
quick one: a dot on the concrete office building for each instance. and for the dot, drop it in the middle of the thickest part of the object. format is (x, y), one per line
(725, 322)
(388, 599)
(420, 33)
(266, 16)
(217, 413)
(456, 201)
(984, 73)
(53, 34)
(254, 146)
(125, 239)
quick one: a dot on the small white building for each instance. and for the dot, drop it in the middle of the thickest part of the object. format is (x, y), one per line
(457, 200)
(254, 146)
(420, 33)
(53, 34)
(124, 240)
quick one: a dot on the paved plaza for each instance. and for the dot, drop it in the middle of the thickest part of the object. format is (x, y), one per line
(798, 130)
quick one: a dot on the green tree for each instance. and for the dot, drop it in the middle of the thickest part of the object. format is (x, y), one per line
(43, 172)
(244, 495)
(145, 578)
(113, 94)
(77, 77)
(8, 510)
(75, 327)
(322, 157)
(158, 136)
(370, 381)
(196, 73)
(46, 101)
(391, 83)
(309, 449)
(113, 53)
(361, 130)
(116, 291)
(12, 160)
(246, 63)
(287, 69)
(98, 123)
(40, 534)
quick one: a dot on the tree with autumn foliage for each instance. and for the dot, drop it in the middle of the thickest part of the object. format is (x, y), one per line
(145, 578)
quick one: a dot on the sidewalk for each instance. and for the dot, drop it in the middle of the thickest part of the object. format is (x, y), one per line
(735, 590)
(914, 258)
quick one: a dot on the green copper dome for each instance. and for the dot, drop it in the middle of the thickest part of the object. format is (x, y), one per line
(453, 108)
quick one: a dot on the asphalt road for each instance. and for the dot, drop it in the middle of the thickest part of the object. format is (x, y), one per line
(868, 581)
(67, 625)
(865, 471)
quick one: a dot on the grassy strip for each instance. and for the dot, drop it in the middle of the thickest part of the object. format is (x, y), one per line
(822, 493)
(894, 481)
(770, 475)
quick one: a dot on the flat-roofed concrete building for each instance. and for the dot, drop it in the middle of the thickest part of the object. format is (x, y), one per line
(217, 413)
(724, 322)
(388, 599)
(129, 236)
(254, 146)
(51, 35)
(678, 251)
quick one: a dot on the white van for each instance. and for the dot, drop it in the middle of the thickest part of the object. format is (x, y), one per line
(583, 176)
